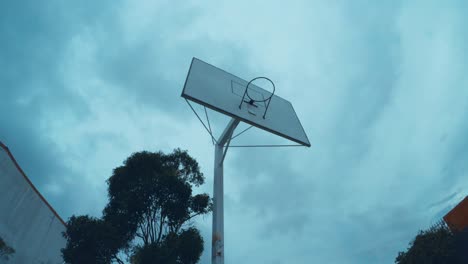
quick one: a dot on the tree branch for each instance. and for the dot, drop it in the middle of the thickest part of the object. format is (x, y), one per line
(161, 222)
(118, 259)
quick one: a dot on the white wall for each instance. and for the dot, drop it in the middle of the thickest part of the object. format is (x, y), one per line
(26, 223)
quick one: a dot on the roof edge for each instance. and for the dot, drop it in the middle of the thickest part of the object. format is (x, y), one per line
(31, 184)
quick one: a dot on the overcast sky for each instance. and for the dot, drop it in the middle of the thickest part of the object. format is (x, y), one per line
(380, 88)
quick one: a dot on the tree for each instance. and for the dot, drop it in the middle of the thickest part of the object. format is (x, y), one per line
(90, 240)
(149, 213)
(151, 194)
(183, 248)
(436, 245)
(5, 251)
(461, 246)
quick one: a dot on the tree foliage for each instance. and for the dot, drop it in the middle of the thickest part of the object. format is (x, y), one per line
(6, 252)
(183, 248)
(90, 240)
(149, 211)
(436, 245)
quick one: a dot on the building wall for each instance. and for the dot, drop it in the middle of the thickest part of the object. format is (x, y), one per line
(457, 218)
(27, 222)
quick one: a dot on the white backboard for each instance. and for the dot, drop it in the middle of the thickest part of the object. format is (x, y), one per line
(221, 91)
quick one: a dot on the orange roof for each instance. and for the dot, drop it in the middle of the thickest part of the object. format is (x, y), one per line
(30, 183)
(457, 218)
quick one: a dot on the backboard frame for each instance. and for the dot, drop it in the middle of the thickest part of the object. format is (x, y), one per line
(305, 142)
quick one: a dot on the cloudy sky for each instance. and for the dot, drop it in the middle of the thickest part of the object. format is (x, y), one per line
(380, 88)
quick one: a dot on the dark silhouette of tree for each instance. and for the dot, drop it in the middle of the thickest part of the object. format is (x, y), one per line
(90, 240)
(461, 246)
(183, 248)
(5, 251)
(148, 214)
(437, 245)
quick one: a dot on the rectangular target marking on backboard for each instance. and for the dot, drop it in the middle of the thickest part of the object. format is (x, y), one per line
(258, 108)
(221, 91)
(239, 89)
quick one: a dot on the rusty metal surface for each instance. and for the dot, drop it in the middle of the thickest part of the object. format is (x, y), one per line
(457, 218)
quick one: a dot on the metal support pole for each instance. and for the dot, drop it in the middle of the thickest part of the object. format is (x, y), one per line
(217, 249)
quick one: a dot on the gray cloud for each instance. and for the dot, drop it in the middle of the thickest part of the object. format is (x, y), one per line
(379, 89)
(34, 38)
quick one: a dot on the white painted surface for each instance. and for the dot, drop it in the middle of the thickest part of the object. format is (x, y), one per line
(217, 243)
(27, 224)
(222, 92)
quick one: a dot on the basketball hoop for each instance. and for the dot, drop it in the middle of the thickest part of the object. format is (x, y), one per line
(251, 101)
(220, 91)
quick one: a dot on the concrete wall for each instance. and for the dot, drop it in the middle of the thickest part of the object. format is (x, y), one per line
(27, 222)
